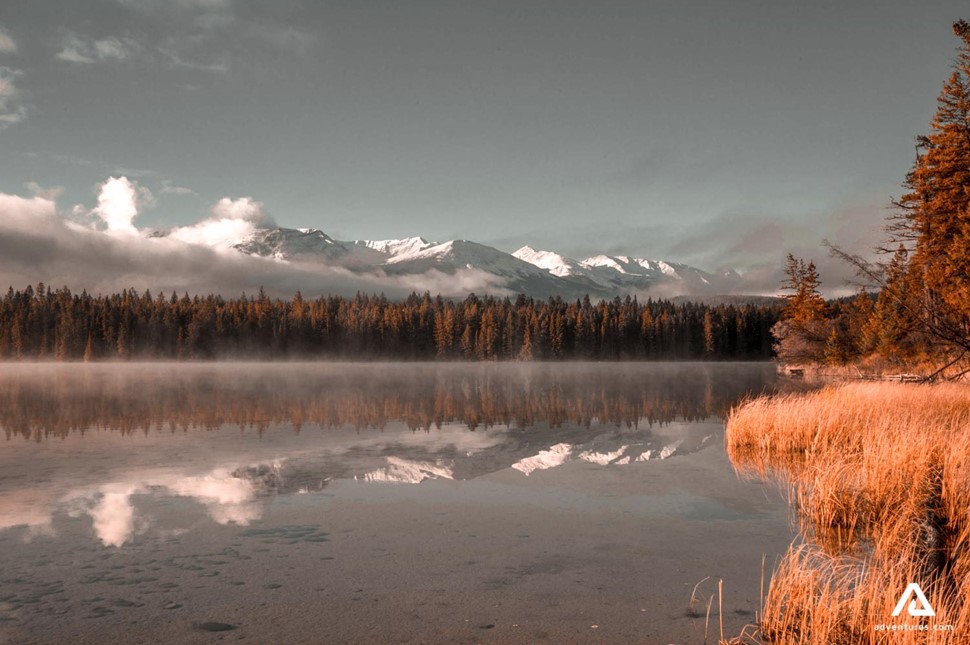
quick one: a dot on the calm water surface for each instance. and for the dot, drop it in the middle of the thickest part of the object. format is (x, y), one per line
(377, 503)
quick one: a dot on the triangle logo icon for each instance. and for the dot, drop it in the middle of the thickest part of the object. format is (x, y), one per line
(918, 604)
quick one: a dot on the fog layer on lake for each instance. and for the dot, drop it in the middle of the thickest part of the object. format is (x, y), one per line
(377, 502)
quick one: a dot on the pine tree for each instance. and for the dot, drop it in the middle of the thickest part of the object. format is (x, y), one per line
(933, 218)
(860, 330)
(805, 304)
(892, 325)
(804, 331)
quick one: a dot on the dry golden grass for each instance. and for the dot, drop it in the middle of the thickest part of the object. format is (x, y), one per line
(879, 477)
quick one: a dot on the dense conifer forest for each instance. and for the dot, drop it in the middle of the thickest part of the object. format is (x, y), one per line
(56, 324)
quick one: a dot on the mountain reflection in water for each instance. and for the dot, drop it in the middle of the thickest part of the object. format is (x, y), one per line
(116, 443)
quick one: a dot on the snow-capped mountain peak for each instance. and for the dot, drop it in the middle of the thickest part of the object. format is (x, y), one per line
(393, 248)
(603, 261)
(465, 253)
(283, 243)
(527, 270)
(435, 252)
(552, 262)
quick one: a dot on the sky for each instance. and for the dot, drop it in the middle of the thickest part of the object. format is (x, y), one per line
(718, 133)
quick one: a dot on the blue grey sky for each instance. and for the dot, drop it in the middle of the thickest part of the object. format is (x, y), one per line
(712, 132)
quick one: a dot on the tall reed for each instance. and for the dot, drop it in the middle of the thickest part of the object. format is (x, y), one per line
(879, 478)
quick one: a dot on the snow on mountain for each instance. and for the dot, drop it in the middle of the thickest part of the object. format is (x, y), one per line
(608, 450)
(469, 455)
(310, 245)
(395, 248)
(670, 449)
(450, 257)
(544, 459)
(528, 270)
(632, 266)
(284, 243)
(408, 471)
(462, 253)
(552, 262)
(603, 261)
(621, 273)
(603, 458)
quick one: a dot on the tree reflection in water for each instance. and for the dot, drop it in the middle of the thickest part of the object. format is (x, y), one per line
(42, 401)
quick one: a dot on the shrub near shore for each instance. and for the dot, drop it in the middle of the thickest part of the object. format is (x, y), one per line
(879, 478)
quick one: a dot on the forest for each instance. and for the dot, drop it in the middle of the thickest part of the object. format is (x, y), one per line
(56, 324)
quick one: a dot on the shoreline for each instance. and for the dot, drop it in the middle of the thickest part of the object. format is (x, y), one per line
(877, 475)
(864, 373)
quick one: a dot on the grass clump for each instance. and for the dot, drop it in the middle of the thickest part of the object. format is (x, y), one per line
(878, 476)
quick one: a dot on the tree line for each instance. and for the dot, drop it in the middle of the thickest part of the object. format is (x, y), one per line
(917, 307)
(42, 323)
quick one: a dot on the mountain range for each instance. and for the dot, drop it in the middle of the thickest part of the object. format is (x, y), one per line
(527, 270)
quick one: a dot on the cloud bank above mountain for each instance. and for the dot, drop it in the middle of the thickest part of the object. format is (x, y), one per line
(102, 250)
(237, 247)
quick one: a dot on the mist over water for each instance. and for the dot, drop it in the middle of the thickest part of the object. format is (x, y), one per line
(41, 400)
(303, 466)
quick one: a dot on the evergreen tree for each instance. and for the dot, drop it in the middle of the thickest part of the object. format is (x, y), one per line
(933, 219)
(803, 332)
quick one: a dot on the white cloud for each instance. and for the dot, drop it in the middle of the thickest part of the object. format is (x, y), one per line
(87, 51)
(7, 43)
(37, 241)
(12, 109)
(244, 208)
(231, 221)
(119, 202)
(20, 211)
(214, 232)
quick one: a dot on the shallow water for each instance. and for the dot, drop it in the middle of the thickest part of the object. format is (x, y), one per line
(377, 503)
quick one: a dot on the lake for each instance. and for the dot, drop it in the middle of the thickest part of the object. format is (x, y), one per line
(378, 503)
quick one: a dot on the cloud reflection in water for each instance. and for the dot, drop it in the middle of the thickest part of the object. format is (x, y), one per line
(110, 443)
(227, 498)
